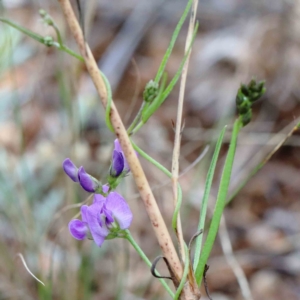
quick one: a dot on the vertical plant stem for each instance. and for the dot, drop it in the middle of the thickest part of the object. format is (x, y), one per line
(176, 150)
(147, 196)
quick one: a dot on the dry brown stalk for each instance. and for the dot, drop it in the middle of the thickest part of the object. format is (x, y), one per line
(176, 151)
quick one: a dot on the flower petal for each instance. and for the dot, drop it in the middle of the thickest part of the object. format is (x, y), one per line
(70, 169)
(119, 149)
(93, 217)
(105, 188)
(78, 229)
(117, 165)
(86, 181)
(117, 146)
(100, 199)
(83, 210)
(120, 209)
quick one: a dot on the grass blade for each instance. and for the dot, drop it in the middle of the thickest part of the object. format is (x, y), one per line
(208, 183)
(220, 203)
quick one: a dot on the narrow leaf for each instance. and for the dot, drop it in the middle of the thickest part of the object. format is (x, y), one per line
(208, 183)
(220, 203)
(172, 42)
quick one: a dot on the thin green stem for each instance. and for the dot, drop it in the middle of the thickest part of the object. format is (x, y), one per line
(134, 127)
(159, 101)
(58, 35)
(220, 203)
(185, 273)
(205, 198)
(109, 102)
(30, 33)
(172, 42)
(169, 174)
(136, 119)
(151, 160)
(137, 248)
(68, 50)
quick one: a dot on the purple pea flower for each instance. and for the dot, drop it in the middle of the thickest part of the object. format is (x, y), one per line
(87, 182)
(117, 165)
(70, 169)
(104, 216)
(119, 150)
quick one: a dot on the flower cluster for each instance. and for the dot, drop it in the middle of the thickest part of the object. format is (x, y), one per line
(87, 182)
(103, 219)
(246, 96)
(109, 214)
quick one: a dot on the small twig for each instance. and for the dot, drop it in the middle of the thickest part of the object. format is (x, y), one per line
(205, 282)
(177, 142)
(147, 196)
(27, 269)
(232, 261)
(178, 128)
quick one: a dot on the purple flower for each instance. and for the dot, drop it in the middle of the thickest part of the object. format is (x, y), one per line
(104, 216)
(70, 169)
(87, 182)
(119, 163)
(119, 150)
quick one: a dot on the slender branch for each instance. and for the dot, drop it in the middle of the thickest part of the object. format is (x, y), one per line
(153, 211)
(176, 150)
(178, 128)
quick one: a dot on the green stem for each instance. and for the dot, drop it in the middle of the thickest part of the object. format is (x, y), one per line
(58, 35)
(220, 203)
(169, 174)
(159, 101)
(136, 120)
(205, 198)
(185, 273)
(69, 51)
(30, 33)
(137, 248)
(172, 42)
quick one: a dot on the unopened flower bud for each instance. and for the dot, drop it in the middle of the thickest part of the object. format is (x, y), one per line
(87, 182)
(70, 169)
(117, 165)
(150, 91)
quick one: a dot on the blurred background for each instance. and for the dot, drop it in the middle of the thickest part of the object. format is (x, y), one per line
(49, 110)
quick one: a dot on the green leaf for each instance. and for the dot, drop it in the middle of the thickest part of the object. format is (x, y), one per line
(158, 101)
(172, 42)
(208, 183)
(220, 203)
